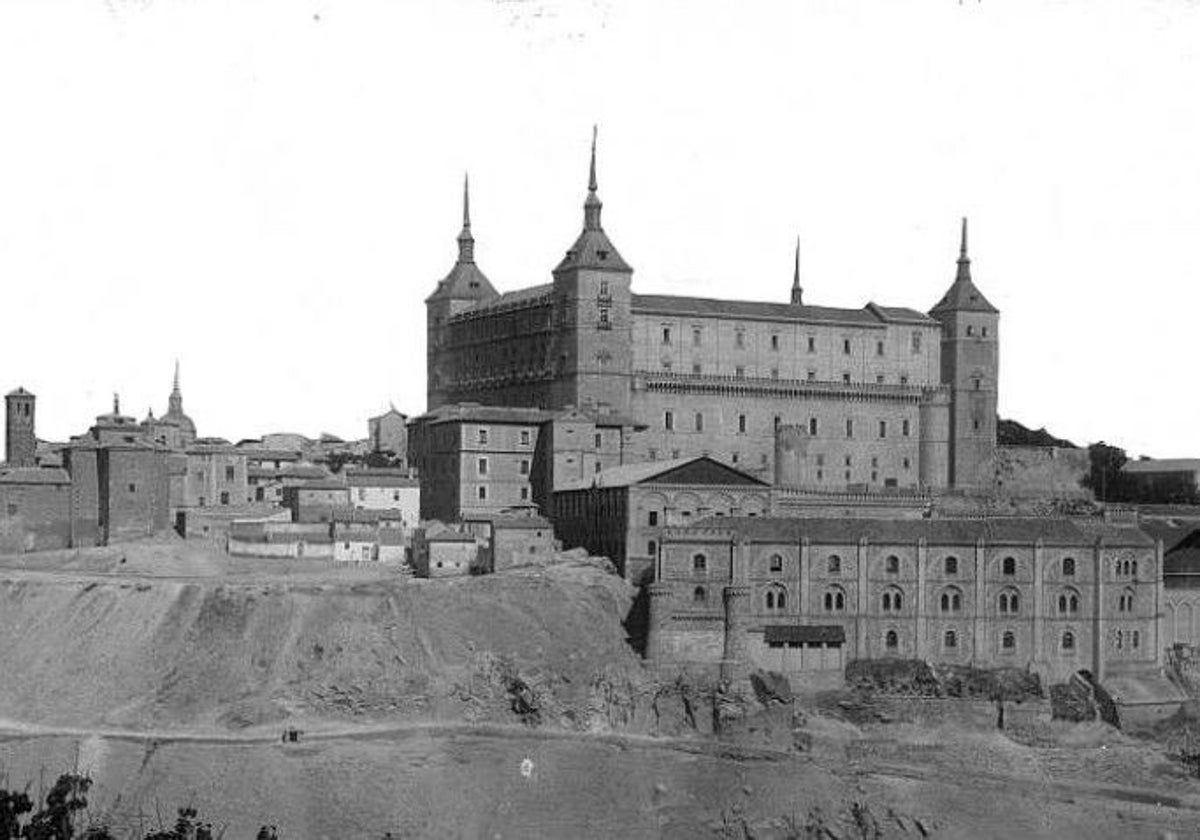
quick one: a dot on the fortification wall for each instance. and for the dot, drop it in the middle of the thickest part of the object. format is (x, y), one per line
(1040, 471)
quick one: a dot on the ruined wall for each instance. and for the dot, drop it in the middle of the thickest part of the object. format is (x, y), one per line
(1041, 471)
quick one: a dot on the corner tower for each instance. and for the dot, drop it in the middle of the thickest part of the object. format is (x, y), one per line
(970, 360)
(463, 288)
(592, 313)
(20, 438)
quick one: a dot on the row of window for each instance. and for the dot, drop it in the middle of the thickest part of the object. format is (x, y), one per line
(743, 425)
(482, 464)
(833, 563)
(524, 437)
(739, 341)
(949, 601)
(481, 492)
(810, 375)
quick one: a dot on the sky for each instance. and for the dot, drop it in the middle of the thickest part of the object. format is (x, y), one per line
(267, 191)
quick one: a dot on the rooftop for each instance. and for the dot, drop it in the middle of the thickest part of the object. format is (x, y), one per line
(872, 315)
(698, 469)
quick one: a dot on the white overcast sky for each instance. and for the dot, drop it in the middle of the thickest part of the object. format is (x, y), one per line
(268, 191)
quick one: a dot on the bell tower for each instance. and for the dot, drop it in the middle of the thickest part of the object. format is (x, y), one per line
(970, 359)
(20, 440)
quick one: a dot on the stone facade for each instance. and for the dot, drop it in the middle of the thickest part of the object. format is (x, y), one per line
(389, 433)
(20, 438)
(35, 509)
(1054, 595)
(882, 396)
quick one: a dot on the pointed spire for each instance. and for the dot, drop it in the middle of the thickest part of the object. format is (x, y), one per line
(116, 403)
(466, 242)
(797, 292)
(964, 262)
(175, 401)
(591, 207)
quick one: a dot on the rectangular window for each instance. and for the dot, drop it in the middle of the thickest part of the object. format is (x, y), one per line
(666, 335)
(812, 344)
(739, 339)
(904, 428)
(846, 346)
(524, 437)
(812, 426)
(774, 373)
(603, 288)
(224, 497)
(652, 518)
(524, 494)
(604, 322)
(916, 342)
(483, 437)
(12, 509)
(904, 380)
(878, 348)
(846, 377)
(774, 342)
(874, 462)
(524, 467)
(133, 489)
(482, 466)
(879, 379)
(739, 371)
(599, 440)
(812, 376)
(849, 428)
(742, 424)
(482, 493)
(695, 336)
(883, 428)
(229, 473)
(669, 421)
(699, 422)
(820, 460)
(906, 463)
(362, 494)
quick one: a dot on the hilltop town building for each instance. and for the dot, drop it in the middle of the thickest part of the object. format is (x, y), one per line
(804, 596)
(389, 433)
(20, 440)
(880, 396)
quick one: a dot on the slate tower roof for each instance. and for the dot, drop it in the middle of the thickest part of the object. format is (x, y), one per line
(465, 281)
(963, 294)
(593, 249)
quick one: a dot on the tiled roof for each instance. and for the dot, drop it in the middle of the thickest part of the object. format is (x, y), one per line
(1059, 531)
(474, 413)
(630, 474)
(871, 315)
(1163, 465)
(593, 250)
(823, 633)
(516, 299)
(464, 282)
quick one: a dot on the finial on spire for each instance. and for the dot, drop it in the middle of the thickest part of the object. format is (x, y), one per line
(466, 201)
(964, 262)
(466, 242)
(797, 292)
(592, 172)
(176, 384)
(116, 403)
(591, 207)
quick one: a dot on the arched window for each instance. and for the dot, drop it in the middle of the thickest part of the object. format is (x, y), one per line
(950, 639)
(1068, 567)
(699, 563)
(1134, 571)
(951, 600)
(892, 640)
(835, 599)
(1008, 641)
(892, 565)
(776, 564)
(834, 564)
(1010, 602)
(951, 565)
(699, 596)
(1068, 602)
(1125, 603)
(1009, 566)
(776, 598)
(1137, 637)
(1068, 640)
(893, 600)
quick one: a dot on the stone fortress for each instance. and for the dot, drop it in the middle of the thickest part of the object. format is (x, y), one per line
(881, 409)
(878, 397)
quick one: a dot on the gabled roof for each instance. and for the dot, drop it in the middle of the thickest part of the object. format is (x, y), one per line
(700, 469)
(872, 315)
(19, 392)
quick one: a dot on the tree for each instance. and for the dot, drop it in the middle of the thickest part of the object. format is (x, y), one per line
(1105, 478)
